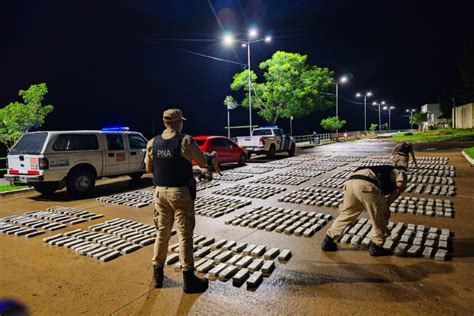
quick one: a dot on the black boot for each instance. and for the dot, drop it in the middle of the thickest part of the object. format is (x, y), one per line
(158, 276)
(193, 284)
(378, 251)
(328, 244)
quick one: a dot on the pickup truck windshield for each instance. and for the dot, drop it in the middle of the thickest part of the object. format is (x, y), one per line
(30, 144)
(262, 132)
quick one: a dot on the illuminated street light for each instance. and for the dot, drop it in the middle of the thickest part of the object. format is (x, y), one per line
(368, 94)
(389, 108)
(342, 80)
(228, 39)
(411, 114)
(253, 33)
(380, 117)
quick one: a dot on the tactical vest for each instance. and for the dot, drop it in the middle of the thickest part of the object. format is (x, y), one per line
(383, 175)
(404, 149)
(170, 169)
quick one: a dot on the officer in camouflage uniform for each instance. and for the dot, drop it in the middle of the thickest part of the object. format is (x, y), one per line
(372, 189)
(169, 158)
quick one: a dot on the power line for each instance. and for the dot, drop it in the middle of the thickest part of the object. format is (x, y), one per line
(195, 53)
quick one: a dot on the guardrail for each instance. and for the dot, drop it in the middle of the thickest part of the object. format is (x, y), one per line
(317, 139)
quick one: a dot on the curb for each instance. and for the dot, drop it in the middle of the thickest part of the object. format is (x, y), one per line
(14, 192)
(469, 159)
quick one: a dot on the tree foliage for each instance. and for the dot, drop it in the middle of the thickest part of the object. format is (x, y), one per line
(18, 118)
(230, 102)
(373, 127)
(291, 87)
(418, 118)
(332, 123)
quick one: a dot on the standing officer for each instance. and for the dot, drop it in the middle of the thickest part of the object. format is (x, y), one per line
(169, 157)
(373, 189)
(400, 155)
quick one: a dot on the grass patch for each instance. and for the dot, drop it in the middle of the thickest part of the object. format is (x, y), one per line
(469, 152)
(7, 187)
(326, 141)
(438, 135)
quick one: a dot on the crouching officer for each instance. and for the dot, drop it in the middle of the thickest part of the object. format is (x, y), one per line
(372, 189)
(400, 155)
(169, 157)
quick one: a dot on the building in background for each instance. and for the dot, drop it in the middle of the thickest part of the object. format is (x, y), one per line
(463, 116)
(433, 112)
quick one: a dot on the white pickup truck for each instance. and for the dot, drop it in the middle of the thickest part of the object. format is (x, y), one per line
(50, 161)
(267, 140)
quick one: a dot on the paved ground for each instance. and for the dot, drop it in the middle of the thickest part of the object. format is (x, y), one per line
(50, 280)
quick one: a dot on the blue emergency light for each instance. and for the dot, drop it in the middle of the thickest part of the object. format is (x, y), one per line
(271, 126)
(115, 129)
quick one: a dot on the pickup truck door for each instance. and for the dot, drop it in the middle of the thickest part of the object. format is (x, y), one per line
(286, 141)
(278, 139)
(137, 146)
(116, 158)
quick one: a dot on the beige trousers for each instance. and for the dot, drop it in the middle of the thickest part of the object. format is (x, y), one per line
(174, 204)
(360, 195)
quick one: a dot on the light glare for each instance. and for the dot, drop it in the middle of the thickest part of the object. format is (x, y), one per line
(228, 39)
(253, 33)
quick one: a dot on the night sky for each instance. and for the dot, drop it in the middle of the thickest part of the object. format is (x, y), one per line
(119, 62)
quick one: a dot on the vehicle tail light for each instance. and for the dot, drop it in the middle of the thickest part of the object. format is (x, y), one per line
(13, 171)
(262, 141)
(43, 164)
(33, 172)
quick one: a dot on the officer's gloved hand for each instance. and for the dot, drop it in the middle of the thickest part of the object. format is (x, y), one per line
(205, 176)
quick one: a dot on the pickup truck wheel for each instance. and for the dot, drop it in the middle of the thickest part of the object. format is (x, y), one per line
(242, 160)
(46, 188)
(291, 152)
(80, 182)
(271, 152)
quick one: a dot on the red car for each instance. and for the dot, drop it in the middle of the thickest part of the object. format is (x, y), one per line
(227, 151)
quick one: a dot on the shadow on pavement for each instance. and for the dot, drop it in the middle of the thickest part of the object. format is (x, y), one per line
(463, 247)
(350, 273)
(99, 190)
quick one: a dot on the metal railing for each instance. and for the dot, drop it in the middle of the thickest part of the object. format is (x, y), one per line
(319, 138)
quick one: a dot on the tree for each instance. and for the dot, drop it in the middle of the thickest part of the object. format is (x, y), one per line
(18, 118)
(291, 87)
(230, 102)
(332, 123)
(418, 118)
(373, 127)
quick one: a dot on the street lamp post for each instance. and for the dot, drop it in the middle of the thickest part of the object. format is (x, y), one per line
(342, 80)
(368, 94)
(252, 34)
(389, 108)
(291, 125)
(411, 114)
(380, 117)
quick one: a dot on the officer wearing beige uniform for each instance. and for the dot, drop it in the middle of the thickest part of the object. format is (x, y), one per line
(169, 157)
(401, 155)
(373, 189)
